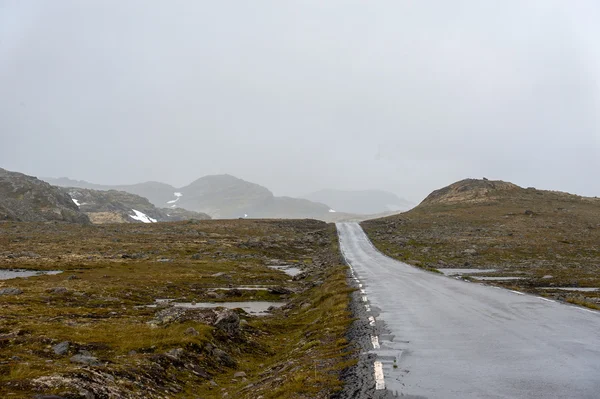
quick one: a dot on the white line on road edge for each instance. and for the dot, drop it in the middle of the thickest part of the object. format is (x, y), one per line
(517, 292)
(371, 320)
(545, 299)
(368, 308)
(379, 381)
(363, 291)
(587, 310)
(365, 299)
(375, 342)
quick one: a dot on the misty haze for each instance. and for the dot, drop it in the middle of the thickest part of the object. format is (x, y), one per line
(299, 199)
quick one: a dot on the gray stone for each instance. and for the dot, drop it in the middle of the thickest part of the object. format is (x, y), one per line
(10, 291)
(85, 360)
(57, 290)
(191, 331)
(228, 321)
(239, 374)
(176, 353)
(62, 348)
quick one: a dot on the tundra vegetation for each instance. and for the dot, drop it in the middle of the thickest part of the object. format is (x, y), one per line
(549, 240)
(88, 332)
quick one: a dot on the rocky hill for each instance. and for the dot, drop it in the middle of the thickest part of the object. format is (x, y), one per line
(28, 199)
(220, 196)
(473, 191)
(538, 238)
(114, 206)
(362, 202)
(156, 192)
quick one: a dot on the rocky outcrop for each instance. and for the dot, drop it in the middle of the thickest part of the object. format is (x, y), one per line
(471, 191)
(121, 207)
(27, 199)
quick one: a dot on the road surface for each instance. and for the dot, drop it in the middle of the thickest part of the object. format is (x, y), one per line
(454, 339)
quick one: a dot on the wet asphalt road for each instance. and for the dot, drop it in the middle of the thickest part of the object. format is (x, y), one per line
(455, 339)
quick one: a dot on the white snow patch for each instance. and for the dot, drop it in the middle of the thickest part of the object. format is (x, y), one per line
(76, 202)
(142, 217)
(177, 195)
(331, 211)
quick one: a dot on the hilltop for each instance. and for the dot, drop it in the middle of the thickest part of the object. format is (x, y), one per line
(545, 238)
(28, 199)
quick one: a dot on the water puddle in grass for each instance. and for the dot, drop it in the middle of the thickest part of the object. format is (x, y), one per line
(243, 288)
(9, 274)
(507, 278)
(289, 270)
(257, 308)
(582, 289)
(461, 272)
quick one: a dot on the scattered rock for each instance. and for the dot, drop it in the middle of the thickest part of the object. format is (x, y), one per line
(196, 256)
(85, 359)
(223, 358)
(191, 331)
(62, 348)
(228, 321)
(470, 251)
(176, 353)
(164, 260)
(529, 213)
(57, 290)
(280, 291)
(239, 374)
(11, 291)
(72, 277)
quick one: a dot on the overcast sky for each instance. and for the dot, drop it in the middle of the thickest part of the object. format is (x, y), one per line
(405, 96)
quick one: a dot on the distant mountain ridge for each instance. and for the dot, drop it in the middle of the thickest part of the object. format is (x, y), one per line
(365, 202)
(220, 196)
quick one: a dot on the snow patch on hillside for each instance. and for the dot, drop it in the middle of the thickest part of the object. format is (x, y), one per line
(76, 202)
(142, 217)
(177, 195)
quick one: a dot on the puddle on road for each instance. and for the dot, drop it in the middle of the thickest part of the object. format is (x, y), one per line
(582, 289)
(289, 270)
(15, 273)
(257, 308)
(460, 272)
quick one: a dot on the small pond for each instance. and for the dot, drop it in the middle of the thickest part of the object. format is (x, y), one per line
(289, 270)
(16, 273)
(255, 308)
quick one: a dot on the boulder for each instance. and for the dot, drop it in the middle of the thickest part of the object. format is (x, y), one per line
(62, 348)
(10, 291)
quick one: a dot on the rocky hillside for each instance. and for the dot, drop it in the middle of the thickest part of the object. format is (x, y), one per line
(474, 191)
(28, 199)
(362, 202)
(537, 238)
(220, 196)
(121, 207)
